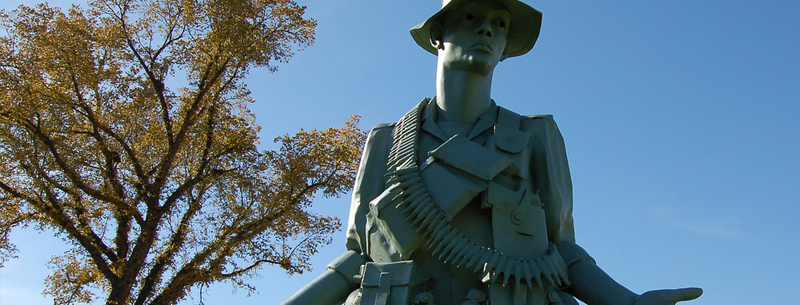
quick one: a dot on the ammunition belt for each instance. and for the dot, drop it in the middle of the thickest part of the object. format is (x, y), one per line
(445, 241)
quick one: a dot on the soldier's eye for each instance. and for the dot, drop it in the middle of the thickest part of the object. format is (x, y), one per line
(502, 24)
(469, 16)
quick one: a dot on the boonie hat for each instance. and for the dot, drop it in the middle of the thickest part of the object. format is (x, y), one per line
(526, 22)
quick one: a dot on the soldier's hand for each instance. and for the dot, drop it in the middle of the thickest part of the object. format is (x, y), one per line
(668, 296)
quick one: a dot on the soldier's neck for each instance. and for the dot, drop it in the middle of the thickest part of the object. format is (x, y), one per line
(462, 96)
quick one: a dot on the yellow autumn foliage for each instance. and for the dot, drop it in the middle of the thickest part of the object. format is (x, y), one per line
(124, 127)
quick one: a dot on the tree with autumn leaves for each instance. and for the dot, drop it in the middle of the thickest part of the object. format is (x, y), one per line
(124, 128)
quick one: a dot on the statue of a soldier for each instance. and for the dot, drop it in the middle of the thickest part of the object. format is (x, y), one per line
(463, 201)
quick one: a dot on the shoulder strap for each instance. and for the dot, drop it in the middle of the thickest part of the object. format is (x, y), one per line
(508, 118)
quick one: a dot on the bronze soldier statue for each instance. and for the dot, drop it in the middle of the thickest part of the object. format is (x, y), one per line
(463, 201)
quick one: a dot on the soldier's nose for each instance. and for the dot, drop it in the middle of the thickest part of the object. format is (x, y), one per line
(485, 29)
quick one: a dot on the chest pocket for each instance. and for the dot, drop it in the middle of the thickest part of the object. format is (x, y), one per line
(511, 142)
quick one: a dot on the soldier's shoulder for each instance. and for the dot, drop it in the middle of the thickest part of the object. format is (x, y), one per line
(546, 117)
(540, 123)
(383, 128)
(381, 131)
(542, 117)
(541, 120)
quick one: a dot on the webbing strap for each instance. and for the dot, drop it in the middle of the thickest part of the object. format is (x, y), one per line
(508, 118)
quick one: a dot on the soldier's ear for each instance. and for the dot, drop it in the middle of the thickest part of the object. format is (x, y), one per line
(437, 40)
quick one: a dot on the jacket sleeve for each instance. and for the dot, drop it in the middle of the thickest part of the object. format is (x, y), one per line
(336, 283)
(370, 182)
(550, 172)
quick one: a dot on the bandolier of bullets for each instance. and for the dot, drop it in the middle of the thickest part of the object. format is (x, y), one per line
(445, 241)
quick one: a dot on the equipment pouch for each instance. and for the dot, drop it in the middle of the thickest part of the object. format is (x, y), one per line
(394, 238)
(392, 283)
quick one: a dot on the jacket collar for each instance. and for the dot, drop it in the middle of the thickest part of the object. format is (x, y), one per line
(431, 113)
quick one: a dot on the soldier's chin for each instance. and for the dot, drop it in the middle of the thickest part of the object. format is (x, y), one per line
(483, 64)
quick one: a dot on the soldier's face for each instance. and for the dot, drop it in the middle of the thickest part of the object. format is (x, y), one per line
(474, 36)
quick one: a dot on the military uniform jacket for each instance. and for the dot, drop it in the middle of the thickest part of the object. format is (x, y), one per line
(503, 185)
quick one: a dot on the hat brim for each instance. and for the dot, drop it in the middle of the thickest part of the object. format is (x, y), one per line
(526, 23)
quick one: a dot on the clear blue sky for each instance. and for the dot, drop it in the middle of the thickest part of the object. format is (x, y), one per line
(681, 120)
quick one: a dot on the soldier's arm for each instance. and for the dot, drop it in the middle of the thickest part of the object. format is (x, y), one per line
(337, 282)
(593, 286)
(333, 286)
(589, 282)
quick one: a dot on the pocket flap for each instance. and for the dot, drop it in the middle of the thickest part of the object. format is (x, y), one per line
(510, 140)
